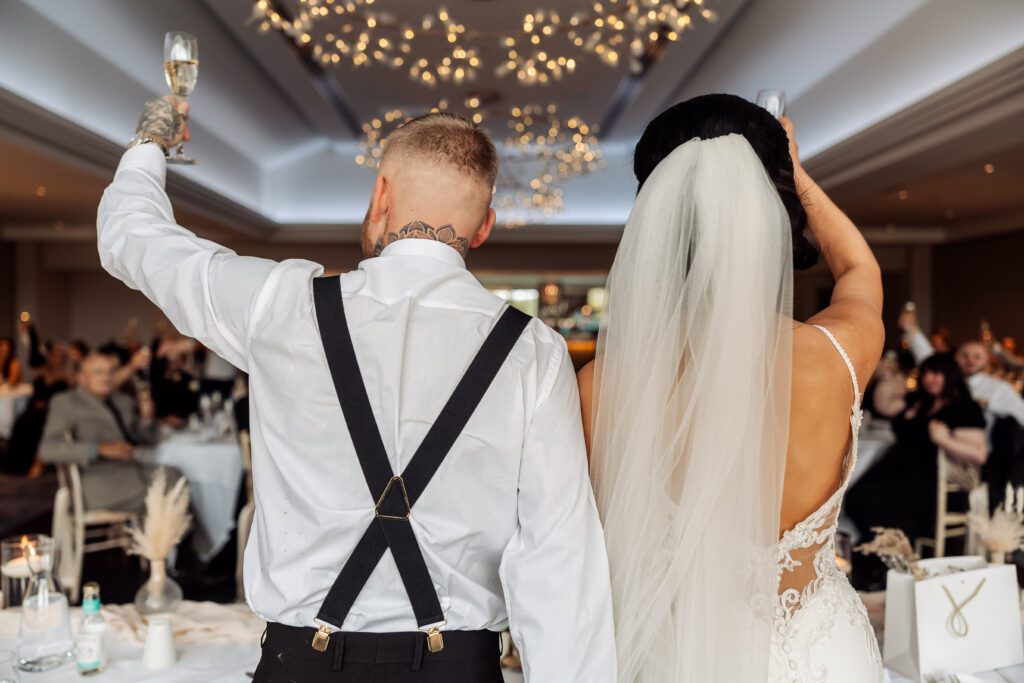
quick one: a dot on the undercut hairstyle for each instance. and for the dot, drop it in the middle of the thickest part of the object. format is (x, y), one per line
(448, 140)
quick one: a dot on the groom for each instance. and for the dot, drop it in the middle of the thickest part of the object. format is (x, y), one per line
(420, 474)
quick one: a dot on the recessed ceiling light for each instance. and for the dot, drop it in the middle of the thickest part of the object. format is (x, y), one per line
(40, 191)
(950, 214)
(990, 168)
(902, 194)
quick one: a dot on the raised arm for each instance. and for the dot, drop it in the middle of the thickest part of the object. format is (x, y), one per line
(208, 292)
(855, 312)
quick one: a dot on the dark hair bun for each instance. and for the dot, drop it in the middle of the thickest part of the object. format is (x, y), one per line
(712, 116)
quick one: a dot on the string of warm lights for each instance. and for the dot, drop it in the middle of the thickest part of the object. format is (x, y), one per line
(539, 151)
(354, 31)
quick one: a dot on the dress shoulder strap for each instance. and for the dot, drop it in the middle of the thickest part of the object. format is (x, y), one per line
(846, 359)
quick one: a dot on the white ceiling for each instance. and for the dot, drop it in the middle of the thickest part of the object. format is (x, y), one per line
(272, 146)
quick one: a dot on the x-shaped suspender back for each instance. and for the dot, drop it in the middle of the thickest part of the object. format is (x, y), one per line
(394, 496)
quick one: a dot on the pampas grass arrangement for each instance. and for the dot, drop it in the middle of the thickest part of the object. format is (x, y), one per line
(166, 522)
(893, 548)
(1003, 532)
(167, 519)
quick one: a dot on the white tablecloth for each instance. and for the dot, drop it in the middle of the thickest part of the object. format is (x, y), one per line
(226, 661)
(12, 401)
(214, 470)
(229, 660)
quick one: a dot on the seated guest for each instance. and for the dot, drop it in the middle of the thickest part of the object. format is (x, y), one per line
(900, 490)
(98, 430)
(10, 369)
(997, 397)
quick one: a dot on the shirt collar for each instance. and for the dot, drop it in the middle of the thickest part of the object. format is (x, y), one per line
(413, 246)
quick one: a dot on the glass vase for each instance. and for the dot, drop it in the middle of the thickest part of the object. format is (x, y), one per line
(160, 594)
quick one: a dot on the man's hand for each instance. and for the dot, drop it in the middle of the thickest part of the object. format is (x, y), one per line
(116, 450)
(165, 119)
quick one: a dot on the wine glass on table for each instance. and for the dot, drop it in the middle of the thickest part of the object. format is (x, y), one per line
(181, 69)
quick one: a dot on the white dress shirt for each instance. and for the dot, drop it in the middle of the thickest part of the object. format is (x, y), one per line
(508, 525)
(997, 396)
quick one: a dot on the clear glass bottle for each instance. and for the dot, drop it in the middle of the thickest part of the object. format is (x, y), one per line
(91, 647)
(44, 633)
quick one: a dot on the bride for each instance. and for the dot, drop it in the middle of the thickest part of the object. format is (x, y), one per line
(722, 432)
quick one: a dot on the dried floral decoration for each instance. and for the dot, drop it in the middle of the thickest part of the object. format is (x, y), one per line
(1003, 532)
(167, 519)
(893, 547)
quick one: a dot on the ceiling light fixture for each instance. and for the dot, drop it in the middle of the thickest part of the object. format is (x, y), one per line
(544, 51)
(40, 191)
(990, 168)
(903, 194)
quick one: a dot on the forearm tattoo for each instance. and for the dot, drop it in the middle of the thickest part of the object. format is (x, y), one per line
(160, 119)
(420, 230)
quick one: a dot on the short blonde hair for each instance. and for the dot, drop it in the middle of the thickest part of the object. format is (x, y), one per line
(446, 139)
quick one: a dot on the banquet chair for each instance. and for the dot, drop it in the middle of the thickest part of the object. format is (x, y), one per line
(246, 514)
(952, 478)
(77, 531)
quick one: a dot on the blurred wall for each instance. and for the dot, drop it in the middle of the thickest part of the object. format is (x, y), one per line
(982, 279)
(62, 285)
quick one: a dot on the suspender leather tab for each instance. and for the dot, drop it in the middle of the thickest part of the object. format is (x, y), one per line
(395, 495)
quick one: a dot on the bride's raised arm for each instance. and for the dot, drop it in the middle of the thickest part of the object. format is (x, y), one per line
(855, 312)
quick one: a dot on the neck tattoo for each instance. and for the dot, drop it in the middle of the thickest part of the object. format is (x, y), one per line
(420, 230)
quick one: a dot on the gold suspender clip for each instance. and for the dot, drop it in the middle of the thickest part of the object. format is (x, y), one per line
(435, 639)
(321, 638)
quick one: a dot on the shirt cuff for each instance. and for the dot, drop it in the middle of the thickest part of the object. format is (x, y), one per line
(148, 157)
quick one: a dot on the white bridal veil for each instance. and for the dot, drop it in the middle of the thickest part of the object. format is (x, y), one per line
(692, 417)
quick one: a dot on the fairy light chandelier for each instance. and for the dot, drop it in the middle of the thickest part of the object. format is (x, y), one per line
(545, 50)
(540, 150)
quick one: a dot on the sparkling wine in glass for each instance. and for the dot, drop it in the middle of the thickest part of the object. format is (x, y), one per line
(773, 100)
(181, 69)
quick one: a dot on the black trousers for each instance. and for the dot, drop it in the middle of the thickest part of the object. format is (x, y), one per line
(288, 657)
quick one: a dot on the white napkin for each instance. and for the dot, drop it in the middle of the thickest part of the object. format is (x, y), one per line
(193, 622)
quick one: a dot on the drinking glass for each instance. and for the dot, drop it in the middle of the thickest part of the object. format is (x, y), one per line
(44, 635)
(774, 101)
(181, 70)
(8, 674)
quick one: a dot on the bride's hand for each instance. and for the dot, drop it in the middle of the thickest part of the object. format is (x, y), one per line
(799, 174)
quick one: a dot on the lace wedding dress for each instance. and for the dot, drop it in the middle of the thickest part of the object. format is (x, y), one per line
(820, 629)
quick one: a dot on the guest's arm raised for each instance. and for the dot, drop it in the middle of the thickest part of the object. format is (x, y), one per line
(206, 290)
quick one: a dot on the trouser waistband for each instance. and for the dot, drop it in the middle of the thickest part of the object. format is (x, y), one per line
(382, 648)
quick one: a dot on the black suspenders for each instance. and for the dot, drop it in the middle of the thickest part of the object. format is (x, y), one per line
(394, 496)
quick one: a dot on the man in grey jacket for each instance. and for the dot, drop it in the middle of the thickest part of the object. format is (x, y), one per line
(98, 430)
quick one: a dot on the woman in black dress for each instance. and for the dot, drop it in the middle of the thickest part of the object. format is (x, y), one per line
(900, 490)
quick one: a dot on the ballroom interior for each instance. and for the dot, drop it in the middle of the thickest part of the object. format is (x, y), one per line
(909, 114)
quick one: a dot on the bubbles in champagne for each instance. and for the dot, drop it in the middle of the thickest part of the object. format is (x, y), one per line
(181, 75)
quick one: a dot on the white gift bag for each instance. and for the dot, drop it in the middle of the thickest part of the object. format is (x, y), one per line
(964, 621)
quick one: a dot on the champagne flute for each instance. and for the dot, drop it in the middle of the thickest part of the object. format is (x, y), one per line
(772, 100)
(181, 69)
